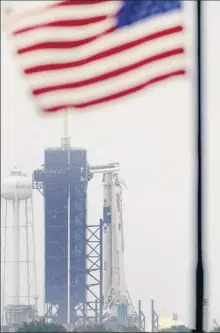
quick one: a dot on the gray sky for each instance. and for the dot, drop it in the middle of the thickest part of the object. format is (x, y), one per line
(152, 136)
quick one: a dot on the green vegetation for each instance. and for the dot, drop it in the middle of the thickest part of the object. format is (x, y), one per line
(41, 326)
(183, 328)
(180, 328)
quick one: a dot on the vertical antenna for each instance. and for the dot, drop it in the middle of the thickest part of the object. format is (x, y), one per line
(66, 123)
(65, 140)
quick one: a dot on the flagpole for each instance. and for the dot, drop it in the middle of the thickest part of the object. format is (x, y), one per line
(199, 268)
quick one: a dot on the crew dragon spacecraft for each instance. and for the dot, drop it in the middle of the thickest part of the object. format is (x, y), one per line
(117, 302)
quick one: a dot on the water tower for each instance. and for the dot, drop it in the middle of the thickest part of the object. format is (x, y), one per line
(18, 251)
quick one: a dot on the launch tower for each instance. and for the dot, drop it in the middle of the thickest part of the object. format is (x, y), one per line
(72, 248)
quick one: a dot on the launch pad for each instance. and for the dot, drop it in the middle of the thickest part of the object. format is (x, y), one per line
(84, 264)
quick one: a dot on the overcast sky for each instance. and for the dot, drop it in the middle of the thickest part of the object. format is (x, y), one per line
(152, 136)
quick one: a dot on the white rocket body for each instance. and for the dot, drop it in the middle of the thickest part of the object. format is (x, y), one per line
(118, 274)
(107, 234)
(117, 302)
(114, 289)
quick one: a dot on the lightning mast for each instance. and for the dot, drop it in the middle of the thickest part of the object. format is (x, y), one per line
(65, 140)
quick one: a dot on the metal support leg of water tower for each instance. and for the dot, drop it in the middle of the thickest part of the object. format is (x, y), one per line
(154, 318)
(141, 318)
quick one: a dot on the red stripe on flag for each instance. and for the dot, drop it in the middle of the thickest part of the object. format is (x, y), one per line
(63, 24)
(119, 94)
(106, 53)
(63, 45)
(44, 8)
(78, 3)
(109, 75)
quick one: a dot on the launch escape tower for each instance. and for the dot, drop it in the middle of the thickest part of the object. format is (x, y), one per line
(72, 249)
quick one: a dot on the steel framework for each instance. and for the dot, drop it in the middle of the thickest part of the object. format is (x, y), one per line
(154, 318)
(92, 312)
(141, 317)
(63, 181)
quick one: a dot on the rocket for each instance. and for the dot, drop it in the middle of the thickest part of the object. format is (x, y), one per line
(117, 302)
(118, 272)
(113, 242)
(107, 233)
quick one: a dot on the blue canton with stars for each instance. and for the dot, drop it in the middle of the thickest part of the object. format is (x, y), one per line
(133, 11)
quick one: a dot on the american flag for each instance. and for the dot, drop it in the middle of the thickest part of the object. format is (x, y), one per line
(77, 54)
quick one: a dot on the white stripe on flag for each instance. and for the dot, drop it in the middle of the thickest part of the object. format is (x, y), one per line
(79, 95)
(117, 61)
(117, 38)
(57, 34)
(63, 13)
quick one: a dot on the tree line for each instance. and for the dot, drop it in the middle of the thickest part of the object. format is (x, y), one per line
(43, 326)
